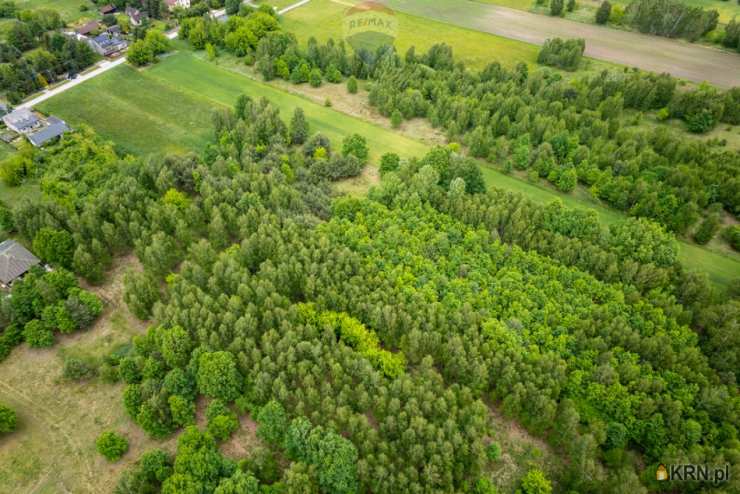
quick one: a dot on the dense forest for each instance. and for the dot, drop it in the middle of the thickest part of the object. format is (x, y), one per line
(369, 337)
(586, 129)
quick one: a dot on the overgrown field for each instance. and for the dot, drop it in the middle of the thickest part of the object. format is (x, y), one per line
(168, 107)
(322, 19)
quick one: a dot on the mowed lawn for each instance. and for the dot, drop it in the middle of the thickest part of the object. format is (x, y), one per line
(322, 19)
(69, 9)
(168, 107)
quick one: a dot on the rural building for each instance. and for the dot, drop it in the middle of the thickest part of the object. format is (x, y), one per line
(107, 43)
(107, 9)
(172, 4)
(22, 120)
(15, 261)
(134, 16)
(88, 28)
(54, 128)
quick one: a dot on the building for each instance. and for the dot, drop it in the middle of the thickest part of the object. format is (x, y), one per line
(88, 28)
(134, 16)
(107, 43)
(172, 4)
(54, 128)
(15, 261)
(22, 120)
(107, 9)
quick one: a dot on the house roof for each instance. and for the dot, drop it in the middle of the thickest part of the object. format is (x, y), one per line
(107, 9)
(55, 128)
(108, 40)
(134, 14)
(88, 27)
(14, 260)
(20, 118)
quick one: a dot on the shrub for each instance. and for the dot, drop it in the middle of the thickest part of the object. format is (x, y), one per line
(111, 445)
(8, 419)
(389, 162)
(564, 54)
(556, 7)
(732, 235)
(396, 119)
(77, 369)
(221, 427)
(314, 77)
(352, 85)
(535, 482)
(37, 335)
(493, 451)
(356, 145)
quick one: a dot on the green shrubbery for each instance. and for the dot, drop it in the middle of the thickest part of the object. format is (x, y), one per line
(111, 445)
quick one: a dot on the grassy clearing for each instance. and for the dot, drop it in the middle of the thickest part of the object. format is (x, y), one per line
(167, 108)
(53, 450)
(69, 9)
(322, 19)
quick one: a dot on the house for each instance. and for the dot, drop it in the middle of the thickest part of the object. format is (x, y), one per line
(15, 261)
(22, 120)
(134, 15)
(107, 9)
(172, 4)
(54, 128)
(88, 28)
(107, 43)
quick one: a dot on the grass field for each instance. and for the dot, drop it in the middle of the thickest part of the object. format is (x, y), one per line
(69, 9)
(167, 108)
(322, 19)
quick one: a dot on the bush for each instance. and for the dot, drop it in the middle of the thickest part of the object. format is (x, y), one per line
(356, 145)
(352, 85)
(111, 445)
(37, 335)
(556, 7)
(396, 119)
(707, 229)
(493, 451)
(535, 482)
(77, 369)
(221, 427)
(389, 162)
(314, 78)
(732, 235)
(8, 419)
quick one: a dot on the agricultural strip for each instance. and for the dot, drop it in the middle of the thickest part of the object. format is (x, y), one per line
(681, 59)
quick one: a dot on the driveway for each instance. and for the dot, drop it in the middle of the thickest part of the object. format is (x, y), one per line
(654, 53)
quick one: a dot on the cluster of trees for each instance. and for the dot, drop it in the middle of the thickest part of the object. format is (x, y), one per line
(563, 54)
(570, 131)
(671, 18)
(23, 72)
(42, 304)
(146, 51)
(731, 39)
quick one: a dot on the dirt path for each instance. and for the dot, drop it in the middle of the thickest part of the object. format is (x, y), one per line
(681, 59)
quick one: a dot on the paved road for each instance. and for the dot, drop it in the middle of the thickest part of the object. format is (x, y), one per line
(106, 65)
(654, 53)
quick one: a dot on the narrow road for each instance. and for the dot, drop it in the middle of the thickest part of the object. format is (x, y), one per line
(654, 53)
(106, 65)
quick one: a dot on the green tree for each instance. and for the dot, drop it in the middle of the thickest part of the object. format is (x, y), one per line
(218, 376)
(603, 12)
(535, 482)
(273, 423)
(38, 335)
(139, 53)
(298, 129)
(356, 145)
(140, 292)
(556, 7)
(111, 445)
(314, 77)
(54, 246)
(389, 162)
(396, 119)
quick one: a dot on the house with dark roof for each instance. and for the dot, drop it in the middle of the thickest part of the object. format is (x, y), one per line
(134, 16)
(107, 43)
(22, 120)
(15, 261)
(54, 128)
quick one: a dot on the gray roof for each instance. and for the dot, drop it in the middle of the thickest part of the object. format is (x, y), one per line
(21, 118)
(55, 128)
(14, 260)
